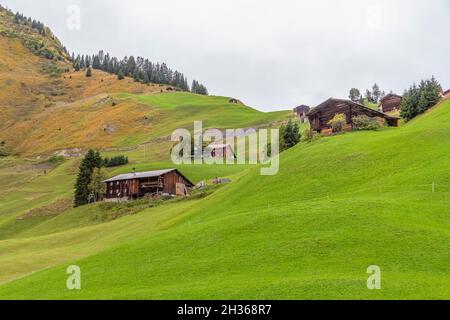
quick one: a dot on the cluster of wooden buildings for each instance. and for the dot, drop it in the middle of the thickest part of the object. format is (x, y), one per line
(172, 182)
(320, 116)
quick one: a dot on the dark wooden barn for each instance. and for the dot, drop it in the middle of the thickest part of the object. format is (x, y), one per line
(139, 184)
(300, 112)
(320, 116)
(391, 103)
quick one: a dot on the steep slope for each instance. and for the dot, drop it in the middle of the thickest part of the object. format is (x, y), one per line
(337, 206)
(29, 64)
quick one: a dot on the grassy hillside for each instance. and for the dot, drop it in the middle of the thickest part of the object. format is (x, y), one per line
(337, 206)
(127, 120)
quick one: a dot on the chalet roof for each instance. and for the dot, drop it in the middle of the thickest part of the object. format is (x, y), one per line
(391, 95)
(333, 101)
(302, 108)
(446, 92)
(142, 175)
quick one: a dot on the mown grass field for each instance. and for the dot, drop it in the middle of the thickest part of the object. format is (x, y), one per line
(338, 205)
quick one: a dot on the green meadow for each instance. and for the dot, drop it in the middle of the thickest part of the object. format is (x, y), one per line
(338, 205)
(181, 109)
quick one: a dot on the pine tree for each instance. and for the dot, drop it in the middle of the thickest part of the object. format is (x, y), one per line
(418, 99)
(368, 96)
(91, 161)
(146, 78)
(291, 134)
(82, 62)
(120, 75)
(376, 93)
(131, 65)
(96, 62)
(89, 72)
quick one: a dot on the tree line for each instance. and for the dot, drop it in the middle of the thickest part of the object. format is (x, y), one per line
(373, 95)
(19, 18)
(417, 99)
(140, 69)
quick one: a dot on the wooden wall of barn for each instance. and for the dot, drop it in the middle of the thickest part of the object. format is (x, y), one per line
(391, 104)
(170, 182)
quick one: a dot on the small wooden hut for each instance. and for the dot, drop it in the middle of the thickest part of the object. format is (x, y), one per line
(139, 184)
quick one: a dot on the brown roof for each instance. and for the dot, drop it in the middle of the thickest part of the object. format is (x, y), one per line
(327, 103)
(147, 174)
(302, 108)
(391, 95)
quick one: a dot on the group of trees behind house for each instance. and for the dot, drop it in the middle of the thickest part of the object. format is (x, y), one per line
(92, 162)
(115, 161)
(140, 69)
(419, 98)
(372, 96)
(89, 186)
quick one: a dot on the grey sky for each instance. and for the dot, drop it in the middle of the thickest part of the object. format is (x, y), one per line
(271, 54)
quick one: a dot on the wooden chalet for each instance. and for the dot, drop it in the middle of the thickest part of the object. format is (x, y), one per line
(139, 184)
(391, 103)
(320, 116)
(300, 112)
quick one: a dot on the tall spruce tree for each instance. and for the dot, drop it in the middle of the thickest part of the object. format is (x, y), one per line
(291, 134)
(376, 93)
(91, 161)
(120, 75)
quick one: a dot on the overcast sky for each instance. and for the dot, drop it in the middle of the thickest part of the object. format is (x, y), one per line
(271, 54)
